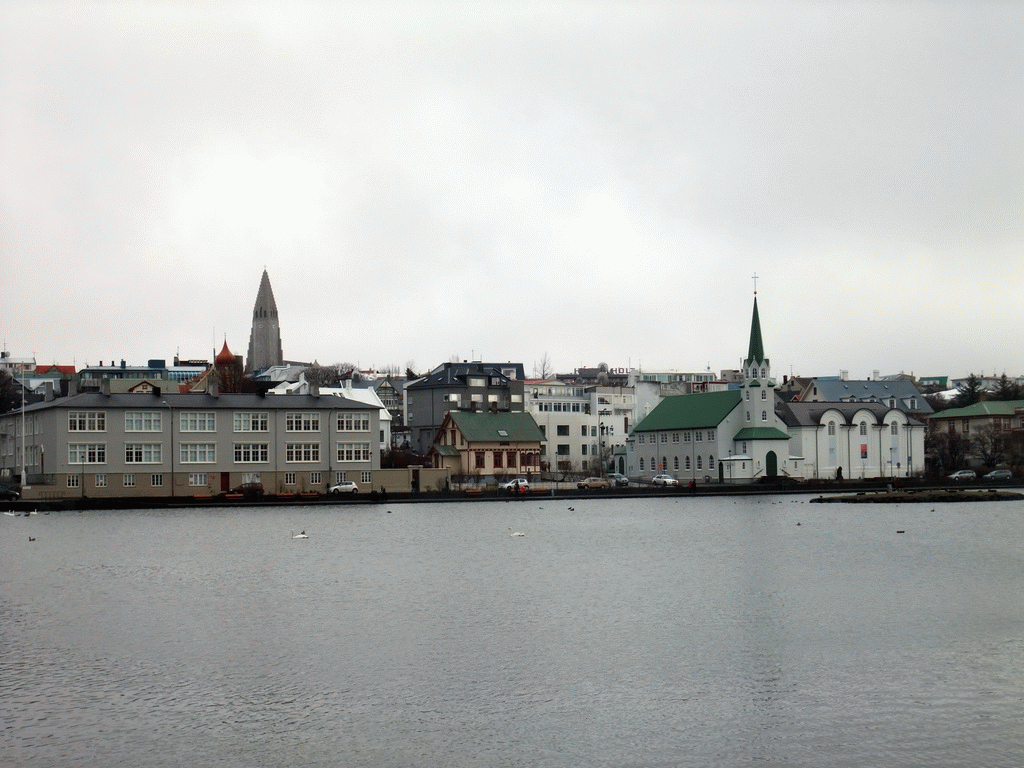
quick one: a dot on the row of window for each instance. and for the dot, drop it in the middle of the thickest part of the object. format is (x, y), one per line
(894, 428)
(206, 453)
(201, 479)
(696, 436)
(663, 466)
(196, 421)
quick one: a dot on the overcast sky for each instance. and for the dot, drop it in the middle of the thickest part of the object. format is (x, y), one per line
(595, 181)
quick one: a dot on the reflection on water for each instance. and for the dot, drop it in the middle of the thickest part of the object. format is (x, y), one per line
(683, 631)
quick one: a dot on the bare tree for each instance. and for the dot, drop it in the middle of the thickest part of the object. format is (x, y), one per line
(990, 444)
(543, 368)
(329, 375)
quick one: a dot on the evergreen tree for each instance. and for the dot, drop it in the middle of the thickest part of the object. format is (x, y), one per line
(968, 393)
(1007, 389)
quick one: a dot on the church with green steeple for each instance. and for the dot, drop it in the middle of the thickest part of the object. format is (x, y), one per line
(729, 436)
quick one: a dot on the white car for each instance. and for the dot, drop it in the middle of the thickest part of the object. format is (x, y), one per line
(346, 487)
(664, 480)
(519, 484)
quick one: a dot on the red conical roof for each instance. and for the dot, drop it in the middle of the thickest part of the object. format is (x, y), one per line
(225, 356)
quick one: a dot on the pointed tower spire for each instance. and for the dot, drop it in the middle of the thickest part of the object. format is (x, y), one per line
(755, 353)
(265, 338)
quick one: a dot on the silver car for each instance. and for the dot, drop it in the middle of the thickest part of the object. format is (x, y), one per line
(664, 480)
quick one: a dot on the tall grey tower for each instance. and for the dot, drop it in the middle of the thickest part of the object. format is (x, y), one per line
(265, 338)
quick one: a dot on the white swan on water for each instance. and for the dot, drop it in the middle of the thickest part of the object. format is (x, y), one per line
(515, 533)
(301, 535)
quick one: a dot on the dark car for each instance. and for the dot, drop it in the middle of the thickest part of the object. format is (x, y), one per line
(619, 481)
(248, 489)
(8, 494)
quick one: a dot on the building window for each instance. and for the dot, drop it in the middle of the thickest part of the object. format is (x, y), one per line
(340, 477)
(353, 422)
(87, 421)
(641, 464)
(197, 422)
(675, 463)
(365, 477)
(498, 459)
(764, 394)
(562, 430)
(198, 478)
(687, 463)
(356, 452)
(700, 461)
(157, 481)
(87, 453)
(698, 436)
(142, 453)
(252, 453)
(73, 481)
(831, 427)
(863, 427)
(301, 452)
(966, 426)
(129, 480)
(764, 415)
(711, 435)
(289, 478)
(142, 421)
(664, 437)
(100, 481)
(675, 437)
(687, 437)
(479, 459)
(302, 422)
(711, 463)
(197, 453)
(252, 422)
(562, 450)
(315, 478)
(583, 448)
(894, 429)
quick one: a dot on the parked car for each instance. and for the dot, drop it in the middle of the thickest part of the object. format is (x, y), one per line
(963, 476)
(664, 480)
(620, 481)
(998, 476)
(593, 482)
(516, 484)
(348, 486)
(248, 489)
(8, 494)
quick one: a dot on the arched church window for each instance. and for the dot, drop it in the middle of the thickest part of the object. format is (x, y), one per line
(831, 427)
(863, 427)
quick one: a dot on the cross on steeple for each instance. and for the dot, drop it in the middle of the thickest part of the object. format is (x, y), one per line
(755, 283)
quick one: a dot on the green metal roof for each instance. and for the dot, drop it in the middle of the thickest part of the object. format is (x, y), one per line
(755, 354)
(699, 411)
(984, 408)
(447, 450)
(761, 433)
(497, 427)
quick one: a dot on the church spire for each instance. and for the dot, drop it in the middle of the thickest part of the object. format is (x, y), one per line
(755, 353)
(265, 338)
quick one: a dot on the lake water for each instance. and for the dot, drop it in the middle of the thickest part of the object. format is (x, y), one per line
(642, 633)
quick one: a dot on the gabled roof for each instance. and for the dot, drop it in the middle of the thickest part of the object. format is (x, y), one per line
(984, 408)
(841, 390)
(457, 373)
(485, 427)
(698, 411)
(761, 433)
(809, 414)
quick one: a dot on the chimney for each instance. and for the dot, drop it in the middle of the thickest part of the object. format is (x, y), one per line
(105, 386)
(211, 387)
(48, 391)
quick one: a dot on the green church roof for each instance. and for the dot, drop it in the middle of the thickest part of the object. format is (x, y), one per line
(755, 354)
(699, 411)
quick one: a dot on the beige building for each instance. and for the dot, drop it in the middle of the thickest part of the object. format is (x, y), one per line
(152, 445)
